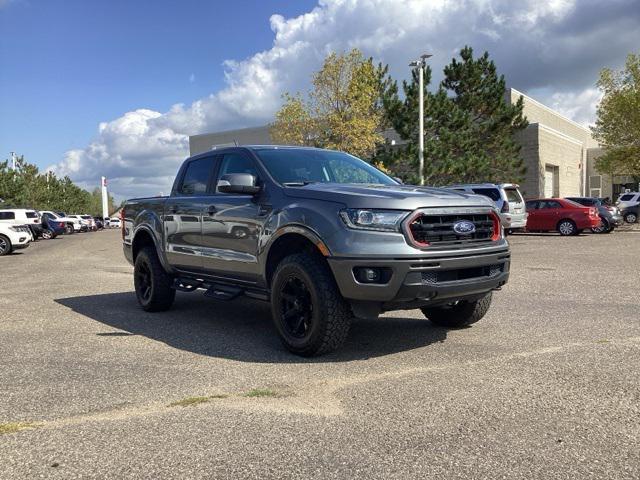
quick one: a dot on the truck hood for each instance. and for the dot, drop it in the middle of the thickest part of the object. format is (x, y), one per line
(394, 197)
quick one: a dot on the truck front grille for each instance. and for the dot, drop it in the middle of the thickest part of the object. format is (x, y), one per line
(437, 229)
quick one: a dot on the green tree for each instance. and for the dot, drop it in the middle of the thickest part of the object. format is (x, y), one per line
(617, 126)
(27, 187)
(343, 111)
(469, 126)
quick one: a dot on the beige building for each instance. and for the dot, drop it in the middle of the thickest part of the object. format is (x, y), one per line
(555, 151)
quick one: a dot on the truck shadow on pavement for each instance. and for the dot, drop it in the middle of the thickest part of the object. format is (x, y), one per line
(240, 330)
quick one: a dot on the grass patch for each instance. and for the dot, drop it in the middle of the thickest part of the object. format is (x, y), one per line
(261, 392)
(13, 427)
(189, 402)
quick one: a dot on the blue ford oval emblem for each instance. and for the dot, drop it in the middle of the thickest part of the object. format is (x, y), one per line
(464, 227)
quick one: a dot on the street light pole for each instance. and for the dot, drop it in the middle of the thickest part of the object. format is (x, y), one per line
(421, 64)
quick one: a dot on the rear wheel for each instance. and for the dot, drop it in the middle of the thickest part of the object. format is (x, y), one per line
(5, 245)
(308, 311)
(604, 226)
(47, 234)
(567, 227)
(630, 217)
(152, 284)
(459, 314)
(68, 229)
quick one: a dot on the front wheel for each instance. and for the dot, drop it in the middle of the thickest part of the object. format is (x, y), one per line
(567, 227)
(68, 229)
(604, 227)
(152, 284)
(308, 311)
(630, 217)
(47, 234)
(5, 246)
(459, 314)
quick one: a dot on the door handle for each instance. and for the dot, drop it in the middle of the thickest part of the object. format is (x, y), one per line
(211, 210)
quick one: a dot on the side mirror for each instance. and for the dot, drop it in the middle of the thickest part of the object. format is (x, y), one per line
(399, 180)
(241, 183)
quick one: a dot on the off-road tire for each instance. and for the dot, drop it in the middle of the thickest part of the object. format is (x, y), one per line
(5, 246)
(460, 314)
(330, 317)
(567, 227)
(631, 218)
(160, 295)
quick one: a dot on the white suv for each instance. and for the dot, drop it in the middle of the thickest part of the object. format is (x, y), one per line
(628, 199)
(507, 198)
(13, 237)
(23, 216)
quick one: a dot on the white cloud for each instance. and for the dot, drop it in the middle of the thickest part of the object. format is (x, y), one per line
(192, 78)
(537, 45)
(578, 106)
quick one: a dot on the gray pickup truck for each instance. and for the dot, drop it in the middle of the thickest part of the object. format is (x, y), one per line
(320, 234)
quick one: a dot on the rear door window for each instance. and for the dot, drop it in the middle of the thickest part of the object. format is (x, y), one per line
(7, 216)
(513, 195)
(532, 204)
(626, 197)
(550, 204)
(32, 215)
(196, 178)
(492, 193)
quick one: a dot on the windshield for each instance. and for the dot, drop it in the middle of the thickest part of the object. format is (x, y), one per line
(292, 167)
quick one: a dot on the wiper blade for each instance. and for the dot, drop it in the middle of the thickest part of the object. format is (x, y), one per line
(297, 184)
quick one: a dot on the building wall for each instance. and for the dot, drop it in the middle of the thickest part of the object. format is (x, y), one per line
(564, 153)
(244, 136)
(562, 145)
(528, 139)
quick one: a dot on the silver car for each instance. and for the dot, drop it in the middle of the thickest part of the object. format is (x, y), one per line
(507, 198)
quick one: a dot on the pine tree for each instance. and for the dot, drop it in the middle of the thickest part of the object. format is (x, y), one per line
(469, 126)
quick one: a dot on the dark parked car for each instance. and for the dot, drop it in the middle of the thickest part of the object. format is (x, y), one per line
(561, 215)
(322, 235)
(609, 215)
(630, 214)
(51, 226)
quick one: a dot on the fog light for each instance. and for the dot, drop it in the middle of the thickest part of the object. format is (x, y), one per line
(370, 275)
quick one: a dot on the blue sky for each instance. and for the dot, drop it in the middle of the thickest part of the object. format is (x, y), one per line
(115, 87)
(67, 65)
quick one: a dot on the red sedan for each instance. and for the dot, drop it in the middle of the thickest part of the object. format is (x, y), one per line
(564, 216)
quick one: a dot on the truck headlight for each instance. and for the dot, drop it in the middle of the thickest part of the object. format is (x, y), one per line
(368, 219)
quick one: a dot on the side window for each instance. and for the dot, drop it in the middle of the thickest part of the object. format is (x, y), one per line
(626, 197)
(550, 204)
(237, 163)
(196, 178)
(532, 205)
(7, 216)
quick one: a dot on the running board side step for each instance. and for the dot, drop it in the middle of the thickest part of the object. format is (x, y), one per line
(183, 285)
(223, 292)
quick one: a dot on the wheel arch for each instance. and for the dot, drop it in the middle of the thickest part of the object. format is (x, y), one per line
(289, 240)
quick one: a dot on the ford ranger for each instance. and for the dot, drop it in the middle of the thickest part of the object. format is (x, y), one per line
(321, 235)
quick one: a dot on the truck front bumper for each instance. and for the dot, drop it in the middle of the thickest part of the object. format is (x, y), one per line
(426, 280)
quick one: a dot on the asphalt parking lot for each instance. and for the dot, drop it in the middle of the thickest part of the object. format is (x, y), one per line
(546, 386)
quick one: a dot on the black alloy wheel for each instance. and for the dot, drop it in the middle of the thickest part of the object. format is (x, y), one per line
(296, 307)
(143, 282)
